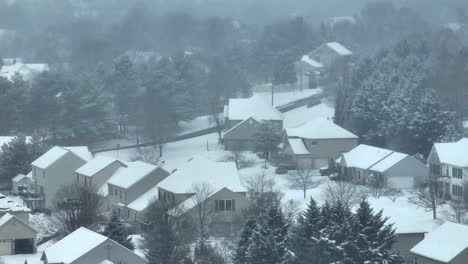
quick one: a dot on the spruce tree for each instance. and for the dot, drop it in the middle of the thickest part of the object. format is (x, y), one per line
(244, 242)
(306, 234)
(117, 232)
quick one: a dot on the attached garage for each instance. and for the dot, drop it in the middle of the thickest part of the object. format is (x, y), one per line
(16, 236)
(6, 247)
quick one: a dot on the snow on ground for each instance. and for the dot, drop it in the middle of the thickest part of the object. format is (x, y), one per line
(32, 258)
(195, 124)
(138, 241)
(43, 225)
(305, 114)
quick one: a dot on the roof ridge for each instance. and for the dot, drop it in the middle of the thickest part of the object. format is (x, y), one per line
(380, 160)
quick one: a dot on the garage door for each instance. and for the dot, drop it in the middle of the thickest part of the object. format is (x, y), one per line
(400, 182)
(6, 247)
(320, 163)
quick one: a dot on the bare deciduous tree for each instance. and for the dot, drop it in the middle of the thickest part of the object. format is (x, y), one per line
(78, 206)
(202, 192)
(302, 180)
(375, 185)
(146, 154)
(261, 190)
(428, 199)
(239, 158)
(457, 212)
(349, 194)
(393, 194)
(216, 118)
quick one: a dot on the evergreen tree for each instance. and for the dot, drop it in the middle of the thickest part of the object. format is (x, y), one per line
(244, 242)
(306, 234)
(284, 71)
(266, 139)
(116, 231)
(15, 158)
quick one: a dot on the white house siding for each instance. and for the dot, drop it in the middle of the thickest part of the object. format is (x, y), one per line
(406, 173)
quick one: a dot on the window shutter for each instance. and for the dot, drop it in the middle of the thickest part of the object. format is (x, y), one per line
(216, 205)
(233, 205)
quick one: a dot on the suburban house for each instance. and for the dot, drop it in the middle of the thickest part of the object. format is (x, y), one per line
(22, 183)
(26, 71)
(8, 206)
(312, 145)
(448, 163)
(330, 62)
(242, 116)
(446, 244)
(391, 169)
(216, 185)
(405, 241)
(16, 236)
(84, 246)
(97, 172)
(51, 171)
(129, 183)
(465, 127)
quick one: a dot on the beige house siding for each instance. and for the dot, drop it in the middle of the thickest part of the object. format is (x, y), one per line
(58, 174)
(14, 229)
(240, 137)
(405, 242)
(102, 176)
(462, 258)
(407, 169)
(21, 215)
(225, 222)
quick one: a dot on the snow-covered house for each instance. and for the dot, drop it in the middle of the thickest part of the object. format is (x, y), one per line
(446, 244)
(406, 240)
(330, 62)
(390, 168)
(22, 182)
(51, 171)
(26, 71)
(97, 172)
(9, 206)
(131, 182)
(242, 116)
(16, 236)
(84, 246)
(223, 195)
(312, 145)
(448, 162)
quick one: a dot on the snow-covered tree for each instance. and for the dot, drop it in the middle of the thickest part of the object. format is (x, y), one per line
(116, 231)
(244, 242)
(265, 139)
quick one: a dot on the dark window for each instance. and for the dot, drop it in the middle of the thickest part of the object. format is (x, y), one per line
(225, 205)
(115, 192)
(457, 173)
(457, 190)
(228, 205)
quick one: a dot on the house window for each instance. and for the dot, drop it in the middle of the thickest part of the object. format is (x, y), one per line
(125, 194)
(225, 205)
(77, 179)
(415, 260)
(313, 143)
(457, 173)
(118, 211)
(110, 189)
(128, 213)
(115, 192)
(43, 174)
(457, 190)
(34, 172)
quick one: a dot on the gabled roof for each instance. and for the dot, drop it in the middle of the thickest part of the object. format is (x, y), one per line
(134, 172)
(201, 170)
(311, 62)
(372, 158)
(18, 177)
(55, 153)
(140, 203)
(243, 108)
(444, 243)
(319, 128)
(239, 124)
(454, 153)
(338, 48)
(73, 246)
(297, 146)
(96, 165)
(5, 219)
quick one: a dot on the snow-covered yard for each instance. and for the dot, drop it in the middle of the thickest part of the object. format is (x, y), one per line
(305, 114)
(284, 97)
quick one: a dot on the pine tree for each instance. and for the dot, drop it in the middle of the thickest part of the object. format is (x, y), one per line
(269, 243)
(284, 71)
(244, 242)
(306, 234)
(116, 231)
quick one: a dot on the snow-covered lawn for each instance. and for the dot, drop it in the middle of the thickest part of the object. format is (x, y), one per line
(305, 114)
(138, 242)
(195, 124)
(43, 225)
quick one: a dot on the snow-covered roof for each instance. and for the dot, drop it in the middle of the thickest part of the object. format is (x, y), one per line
(18, 177)
(454, 153)
(5, 218)
(96, 165)
(372, 158)
(140, 203)
(73, 246)
(319, 128)
(338, 48)
(201, 170)
(135, 171)
(8, 217)
(57, 152)
(298, 146)
(9, 205)
(444, 243)
(243, 108)
(311, 62)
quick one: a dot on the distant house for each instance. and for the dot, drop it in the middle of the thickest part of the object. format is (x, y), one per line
(330, 62)
(97, 172)
(225, 200)
(445, 245)
(313, 144)
(84, 246)
(448, 162)
(242, 117)
(22, 183)
(129, 183)
(51, 171)
(8, 206)
(26, 71)
(11, 61)
(465, 127)
(16, 236)
(392, 169)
